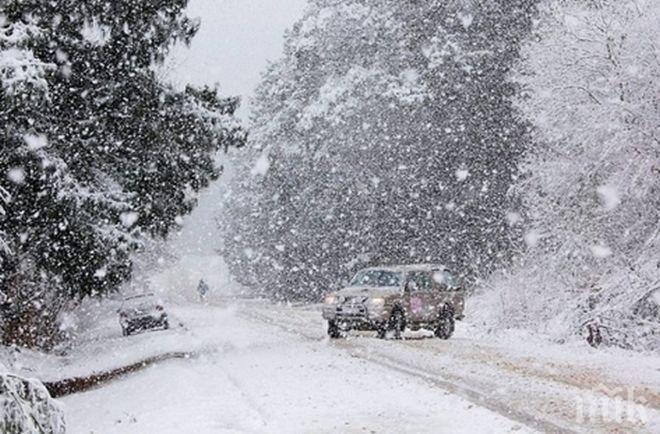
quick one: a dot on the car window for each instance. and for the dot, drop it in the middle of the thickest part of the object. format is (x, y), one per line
(422, 279)
(445, 279)
(377, 278)
(139, 300)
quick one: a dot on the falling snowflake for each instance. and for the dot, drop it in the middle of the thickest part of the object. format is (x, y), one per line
(261, 166)
(16, 175)
(532, 238)
(601, 251)
(462, 174)
(35, 142)
(128, 219)
(609, 197)
(466, 20)
(513, 218)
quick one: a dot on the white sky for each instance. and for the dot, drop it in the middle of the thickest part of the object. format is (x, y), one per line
(236, 40)
(234, 43)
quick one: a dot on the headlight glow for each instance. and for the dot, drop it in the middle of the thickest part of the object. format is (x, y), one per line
(330, 299)
(377, 301)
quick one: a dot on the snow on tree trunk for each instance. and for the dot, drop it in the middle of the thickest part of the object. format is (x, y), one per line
(4, 200)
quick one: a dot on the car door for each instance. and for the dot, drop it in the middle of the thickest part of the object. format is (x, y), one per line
(448, 291)
(420, 297)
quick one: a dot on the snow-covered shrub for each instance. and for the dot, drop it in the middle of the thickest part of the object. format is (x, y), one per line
(591, 193)
(26, 407)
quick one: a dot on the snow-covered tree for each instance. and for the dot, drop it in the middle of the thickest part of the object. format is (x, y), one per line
(19, 68)
(96, 151)
(26, 407)
(592, 190)
(385, 134)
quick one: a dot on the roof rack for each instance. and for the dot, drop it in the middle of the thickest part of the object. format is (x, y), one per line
(146, 294)
(409, 267)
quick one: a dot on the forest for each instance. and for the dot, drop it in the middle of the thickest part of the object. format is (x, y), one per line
(510, 146)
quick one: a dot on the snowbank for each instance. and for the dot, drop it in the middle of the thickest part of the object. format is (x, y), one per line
(535, 299)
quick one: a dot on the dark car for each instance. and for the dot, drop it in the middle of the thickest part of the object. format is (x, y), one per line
(142, 312)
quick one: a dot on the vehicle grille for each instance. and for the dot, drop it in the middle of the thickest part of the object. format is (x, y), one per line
(352, 308)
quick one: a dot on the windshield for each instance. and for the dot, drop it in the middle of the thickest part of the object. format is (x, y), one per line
(377, 278)
(444, 277)
(139, 300)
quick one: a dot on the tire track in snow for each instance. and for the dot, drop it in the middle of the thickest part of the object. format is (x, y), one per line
(262, 415)
(471, 395)
(525, 408)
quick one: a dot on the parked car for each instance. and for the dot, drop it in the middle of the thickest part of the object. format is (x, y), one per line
(389, 299)
(142, 312)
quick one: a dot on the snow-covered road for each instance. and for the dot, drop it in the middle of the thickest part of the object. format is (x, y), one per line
(262, 378)
(268, 369)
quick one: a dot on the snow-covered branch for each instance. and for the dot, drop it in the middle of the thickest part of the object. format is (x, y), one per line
(592, 80)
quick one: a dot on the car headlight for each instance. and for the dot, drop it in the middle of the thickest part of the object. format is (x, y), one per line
(330, 299)
(376, 302)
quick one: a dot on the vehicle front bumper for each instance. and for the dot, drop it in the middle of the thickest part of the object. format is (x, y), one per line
(143, 322)
(355, 315)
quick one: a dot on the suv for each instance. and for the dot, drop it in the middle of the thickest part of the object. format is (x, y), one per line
(389, 299)
(142, 312)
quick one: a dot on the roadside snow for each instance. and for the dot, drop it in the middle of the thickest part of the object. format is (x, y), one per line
(263, 379)
(270, 368)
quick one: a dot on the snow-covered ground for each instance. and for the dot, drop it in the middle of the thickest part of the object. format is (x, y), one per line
(550, 387)
(261, 378)
(258, 367)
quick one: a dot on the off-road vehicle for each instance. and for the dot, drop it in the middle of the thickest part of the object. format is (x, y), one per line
(390, 299)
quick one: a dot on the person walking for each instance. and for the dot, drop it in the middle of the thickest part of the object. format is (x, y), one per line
(202, 289)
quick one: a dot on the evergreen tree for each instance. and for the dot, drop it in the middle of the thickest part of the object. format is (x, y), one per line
(388, 136)
(96, 151)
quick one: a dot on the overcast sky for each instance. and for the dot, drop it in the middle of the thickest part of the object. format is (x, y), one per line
(234, 43)
(236, 40)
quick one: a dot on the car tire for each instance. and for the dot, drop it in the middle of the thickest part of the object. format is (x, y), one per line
(397, 323)
(381, 330)
(333, 330)
(446, 324)
(125, 331)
